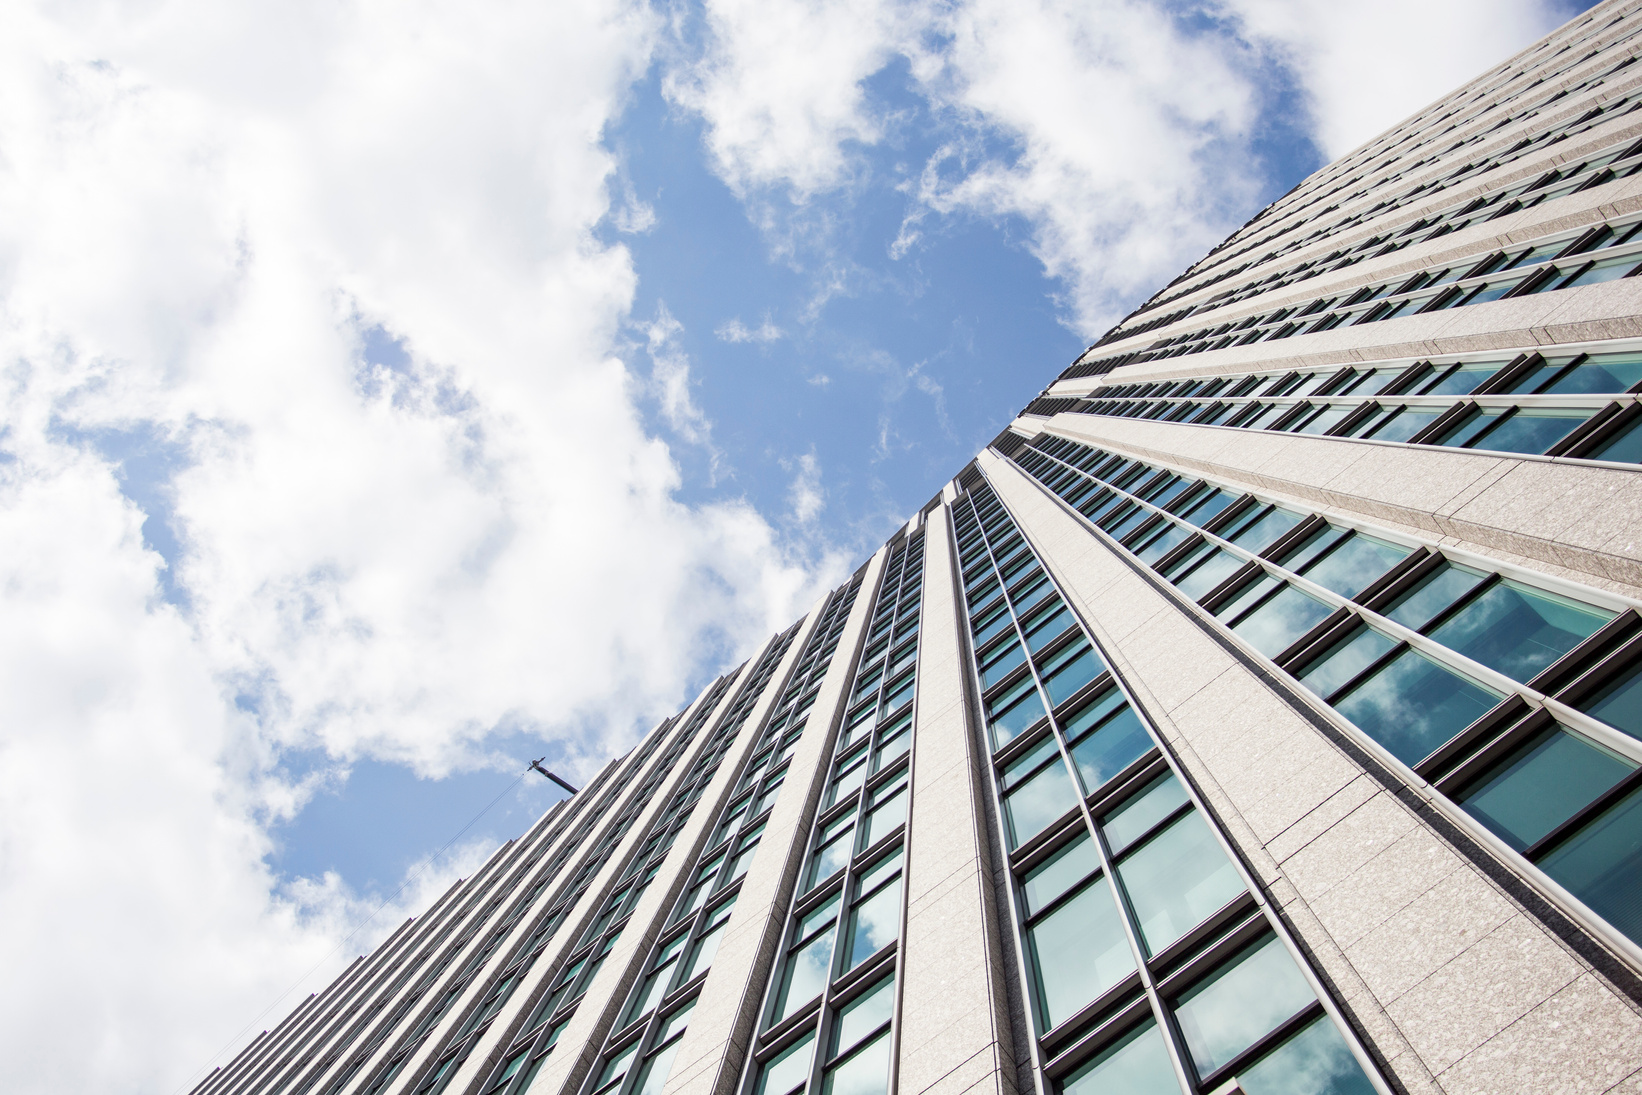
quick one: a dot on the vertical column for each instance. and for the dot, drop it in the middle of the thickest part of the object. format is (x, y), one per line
(955, 1034)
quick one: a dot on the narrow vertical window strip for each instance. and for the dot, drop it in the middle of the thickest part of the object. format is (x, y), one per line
(831, 1005)
(652, 1017)
(1127, 906)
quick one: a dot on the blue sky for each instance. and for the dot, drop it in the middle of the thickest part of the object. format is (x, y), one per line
(396, 393)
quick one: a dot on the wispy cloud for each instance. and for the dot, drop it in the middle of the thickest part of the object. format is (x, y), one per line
(805, 493)
(734, 330)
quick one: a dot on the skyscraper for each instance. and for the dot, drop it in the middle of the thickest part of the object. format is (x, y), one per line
(1260, 712)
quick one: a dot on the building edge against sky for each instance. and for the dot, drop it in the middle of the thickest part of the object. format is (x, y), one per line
(1261, 711)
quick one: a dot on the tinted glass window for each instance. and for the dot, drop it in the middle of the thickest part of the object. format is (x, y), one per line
(1078, 952)
(1316, 1061)
(1411, 705)
(1137, 1065)
(1517, 630)
(1042, 799)
(1619, 703)
(1602, 865)
(1177, 879)
(1542, 784)
(1240, 1003)
(1274, 626)
(1355, 564)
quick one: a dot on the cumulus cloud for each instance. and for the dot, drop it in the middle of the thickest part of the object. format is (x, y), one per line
(805, 492)
(733, 330)
(1363, 71)
(781, 86)
(338, 263)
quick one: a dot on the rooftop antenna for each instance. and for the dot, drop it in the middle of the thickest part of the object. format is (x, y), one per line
(537, 765)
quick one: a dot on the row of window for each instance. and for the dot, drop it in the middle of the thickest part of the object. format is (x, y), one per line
(1470, 169)
(1419, 403)
(558, 1004)
(1563, 261)
(592, 805)
(309, 1042)
(1522, 704)
(523, 957)
(639, 1052)
(1616, 162)
(834, 986)
(1151, 966)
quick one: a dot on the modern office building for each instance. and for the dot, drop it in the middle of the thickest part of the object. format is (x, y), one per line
(1261, 712)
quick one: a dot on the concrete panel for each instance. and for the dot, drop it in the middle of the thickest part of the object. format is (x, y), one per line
(957, 1036)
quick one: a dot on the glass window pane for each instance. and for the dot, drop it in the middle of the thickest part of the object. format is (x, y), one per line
(1064, 679)
(1135, 818)
(1355, 564)
(1405, 423)
(1216, 568)
(1265, 531)
(1078, 952)
(1241, 1003)
(830, 858)
(1417, 608)
(1602, 865)
(656, 1067)
(1600, 373)
(1248, 595)
(1533, 430)
(1065, 869)
(891, 812)
(865, 1072)
(1411, 705)
(1177, 879)
(1274, 626)
(1464, 380)
(1002, 664)
(1327, 674)
(1624, 449)
(863, 1015)
(1619, 704)
(1137, 1065)
(617, 1068)
(1518, 630)
(1008, 723)
(874, 923)
(1043, 799)
(1027, 762)
(702, 956)
(1118, 743)
(1316, 1061)
(878, 871)
(789, 1070)
(1542, 784)
(806, 972)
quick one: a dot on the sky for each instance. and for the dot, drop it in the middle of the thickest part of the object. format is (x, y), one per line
(396, 393)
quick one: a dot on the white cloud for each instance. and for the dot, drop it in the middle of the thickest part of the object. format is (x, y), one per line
(734, 330)
(780, 87)
(206, 206)
(805, 492)
(1362, 68)
(1120, 131)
